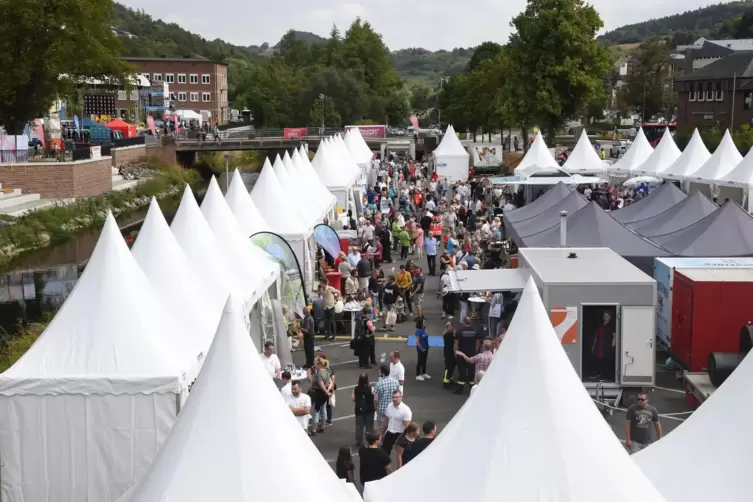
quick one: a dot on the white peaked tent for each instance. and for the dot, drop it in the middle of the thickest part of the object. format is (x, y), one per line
(259, 270)
(708, 456)
(85, 410)
(537, 159)
(451, 159)
(737, 184)
(307, 178)
(552, 445)
(693, 157)
(584, 159)
(636, 155)
(223, 449)
(339, 182)
(281, 211)
(246, 213)
(346, 159)
(314, 211)
(170, 271)
(282, 176)
(722, 162)
(664, 155)
(358, 148)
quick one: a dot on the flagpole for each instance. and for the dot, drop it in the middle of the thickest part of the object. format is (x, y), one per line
(732, 119)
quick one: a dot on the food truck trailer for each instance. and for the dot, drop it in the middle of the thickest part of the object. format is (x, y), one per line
(603, 308)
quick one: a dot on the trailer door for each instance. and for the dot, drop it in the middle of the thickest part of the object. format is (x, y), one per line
(637, 356)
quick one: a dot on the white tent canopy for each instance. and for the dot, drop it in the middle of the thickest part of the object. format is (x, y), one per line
(170, 271)
(348, 163)
(278, 209)
(725, 159)
(223, 449)
(85, 410)
(742, 175)
(551, 445)
(635, 157)
(708, 457)
(693, 157)
(537, 159)
(664, 155)
(246, 213)
(451, 159)
(584, 159)
(307, 178)
(357, 147)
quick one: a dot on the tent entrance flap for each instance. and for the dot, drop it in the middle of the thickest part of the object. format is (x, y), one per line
(478, 281)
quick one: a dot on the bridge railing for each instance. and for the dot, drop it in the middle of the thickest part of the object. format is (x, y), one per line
(255, 135)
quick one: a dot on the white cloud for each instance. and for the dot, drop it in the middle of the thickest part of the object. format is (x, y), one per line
(436, 24)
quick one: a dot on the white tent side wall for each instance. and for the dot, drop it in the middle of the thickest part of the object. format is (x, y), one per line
(79, 447)
(452, 166)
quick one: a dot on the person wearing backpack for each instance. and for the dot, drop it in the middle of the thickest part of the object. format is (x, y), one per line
(364, 400)
(363, 342)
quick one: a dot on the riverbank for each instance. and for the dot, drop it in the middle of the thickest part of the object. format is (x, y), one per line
(58, 224)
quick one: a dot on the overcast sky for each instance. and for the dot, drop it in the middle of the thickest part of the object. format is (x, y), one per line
(432, 24)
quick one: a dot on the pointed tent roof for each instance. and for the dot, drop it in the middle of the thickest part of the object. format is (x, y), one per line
(584, 159)
(277, 209)
(246, 213)
(112, 335)
(547, 219)
(174, 278)
(258, 268)
(348, 164)
(693, 157)
(720, 427)
(688, 211)
(664, 155)
(655, 203)
(725, 159)
(552, 445)
(357, 146)
(282, 176)
(222, 448)
(727, 231)
(450, 146)
(551, 197)
(538, 158)
(302, 169)
(636, 156)
(742, 175)
(330, 169)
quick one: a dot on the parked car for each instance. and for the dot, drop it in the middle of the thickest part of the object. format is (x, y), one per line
(619, 148)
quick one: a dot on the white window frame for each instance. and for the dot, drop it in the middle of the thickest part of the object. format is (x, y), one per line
(719, 95)
(692, 95)
(182, 96)
(193, 97)
(173, 96)
(206, 78)
(170, 78)
(206, 97)
(193, 78)
(181, 78)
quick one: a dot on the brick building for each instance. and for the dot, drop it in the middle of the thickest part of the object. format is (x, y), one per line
(195, 84)
(717, 93)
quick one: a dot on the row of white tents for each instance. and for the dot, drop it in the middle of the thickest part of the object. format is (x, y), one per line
(86, 409)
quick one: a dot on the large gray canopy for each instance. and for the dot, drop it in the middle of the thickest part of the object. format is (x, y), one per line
(655, 203)
(687, 212)
(594, 227)
(546, 201)
(572, 203)
(728, 231)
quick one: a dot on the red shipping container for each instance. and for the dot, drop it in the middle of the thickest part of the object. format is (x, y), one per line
(709, 306)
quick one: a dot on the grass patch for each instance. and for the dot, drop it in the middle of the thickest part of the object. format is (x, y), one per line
(57, 224)
(246, 162)
(15, 347)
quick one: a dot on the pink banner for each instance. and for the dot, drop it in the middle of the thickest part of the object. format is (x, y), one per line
(370, 131)
(152, 127)
(414, 122)
(39, 129)
(177, 124)
(294, 132)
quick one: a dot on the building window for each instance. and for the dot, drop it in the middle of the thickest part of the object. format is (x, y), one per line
(181, 78)
(157, 77)
(194, 97)
(169, 78)
(205, 79)
(173, 96)
(206, 97)
(691, 95)
(193, 79)
(146, 76)
(181, 96)
(747, 100)
(719, 95)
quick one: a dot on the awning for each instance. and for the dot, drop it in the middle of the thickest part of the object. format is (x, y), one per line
(478, 281)
(547, 180)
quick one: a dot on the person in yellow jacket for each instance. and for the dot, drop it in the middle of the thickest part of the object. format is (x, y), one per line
(404, 281)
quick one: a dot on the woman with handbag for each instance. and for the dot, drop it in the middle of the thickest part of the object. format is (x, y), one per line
(320, 392)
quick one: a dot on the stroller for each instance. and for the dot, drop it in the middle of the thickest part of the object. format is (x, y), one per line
(400, 310)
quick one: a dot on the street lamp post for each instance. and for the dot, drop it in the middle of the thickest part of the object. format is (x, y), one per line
(439, 109)
(228, 156)
(322, 97)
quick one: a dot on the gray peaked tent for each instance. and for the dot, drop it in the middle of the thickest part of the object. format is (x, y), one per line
(551, 197)
(594, 227)
(689, 211)
(657, 202)
(728, 231)
(572, 203)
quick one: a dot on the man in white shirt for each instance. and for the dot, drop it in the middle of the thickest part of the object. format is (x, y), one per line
(286, 390)
(271, 361)
(300, 405)
(397, 370)
(368, 231)
(354, 257)
(397, 417)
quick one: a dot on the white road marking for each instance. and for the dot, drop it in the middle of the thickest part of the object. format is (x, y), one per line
(344, 362)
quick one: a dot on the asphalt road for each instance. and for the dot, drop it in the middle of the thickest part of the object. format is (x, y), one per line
(428, 400)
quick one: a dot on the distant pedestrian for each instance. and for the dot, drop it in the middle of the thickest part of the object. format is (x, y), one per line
(344, 466)
(384, 388)
(422, 350)
(374, 462)
(639, 419)
(449, 355)
(364, 399)
(308, 328)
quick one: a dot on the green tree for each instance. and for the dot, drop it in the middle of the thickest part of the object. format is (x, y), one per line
(556, 59)
(421, 98)
(486, 50)
(47, 49)
(648, 85)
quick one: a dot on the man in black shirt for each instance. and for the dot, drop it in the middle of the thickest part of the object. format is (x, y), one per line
(375, 462)
(449, 355)
(425, 221)
(429, 429)
(389, 297)
(466, 339)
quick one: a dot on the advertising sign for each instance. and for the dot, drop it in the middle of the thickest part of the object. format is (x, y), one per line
(294, 133)
(487, 155)
(370, 131)
(96, 152)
